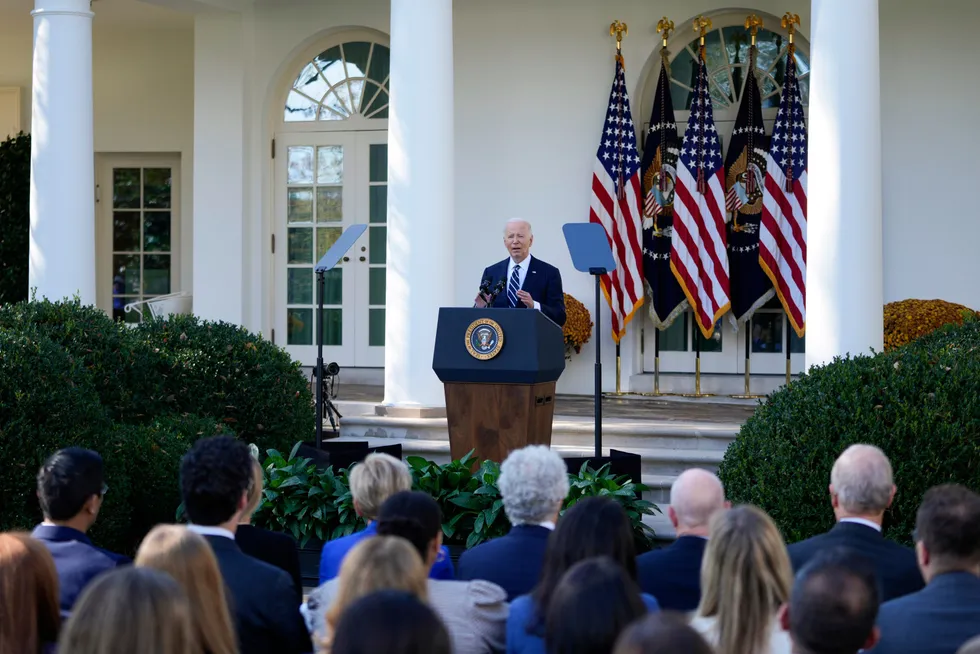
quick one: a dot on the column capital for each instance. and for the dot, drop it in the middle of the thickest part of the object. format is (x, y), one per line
(80, 8)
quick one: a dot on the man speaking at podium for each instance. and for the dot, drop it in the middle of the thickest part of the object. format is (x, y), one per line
(520, 280)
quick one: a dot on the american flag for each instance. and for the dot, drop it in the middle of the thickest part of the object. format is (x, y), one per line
(616, 205)
(782, 234)
(698, 248)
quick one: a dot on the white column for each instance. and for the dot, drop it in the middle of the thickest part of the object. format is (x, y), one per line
(62, 197)
(844, 260)
(219, 160)
(420, 197)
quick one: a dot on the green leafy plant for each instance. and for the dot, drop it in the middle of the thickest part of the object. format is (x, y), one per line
(602, 483)
(15, 189)
(920, 403)
(305, 501)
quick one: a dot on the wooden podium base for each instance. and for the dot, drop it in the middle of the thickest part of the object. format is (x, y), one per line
(495, 419)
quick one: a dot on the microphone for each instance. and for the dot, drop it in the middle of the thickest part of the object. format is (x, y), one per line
(485, 291)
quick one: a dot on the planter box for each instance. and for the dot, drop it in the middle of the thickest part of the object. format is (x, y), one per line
(309, 562)
(344, 454)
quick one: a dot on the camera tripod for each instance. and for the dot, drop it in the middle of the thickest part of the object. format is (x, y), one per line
(328, 387)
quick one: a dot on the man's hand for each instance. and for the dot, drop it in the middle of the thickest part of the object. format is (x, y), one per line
(480, 301)
(526, 298)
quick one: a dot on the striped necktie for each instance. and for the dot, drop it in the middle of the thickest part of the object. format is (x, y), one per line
(514, 285)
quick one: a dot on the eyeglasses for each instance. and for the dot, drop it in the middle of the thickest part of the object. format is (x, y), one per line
(105, 489)
(915, 535)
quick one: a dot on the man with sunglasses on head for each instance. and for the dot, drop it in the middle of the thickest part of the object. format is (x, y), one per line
(70, 488)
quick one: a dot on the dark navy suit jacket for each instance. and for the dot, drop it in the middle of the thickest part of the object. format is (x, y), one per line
(895, 565)
(513, 562)
(936, 620)
(673, 574)
(543, 282)
(76, 559)
(262, 600)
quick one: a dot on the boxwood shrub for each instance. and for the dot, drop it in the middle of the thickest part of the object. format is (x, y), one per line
(920, 403)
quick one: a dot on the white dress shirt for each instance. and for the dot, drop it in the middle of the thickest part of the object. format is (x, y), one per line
(521, 276)
(862, 521)
(211, 531)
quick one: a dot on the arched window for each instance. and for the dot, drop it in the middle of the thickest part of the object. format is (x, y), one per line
(727, 55)
(343, 81)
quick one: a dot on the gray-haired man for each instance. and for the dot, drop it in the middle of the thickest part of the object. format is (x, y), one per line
(861, 489)
(533, 484)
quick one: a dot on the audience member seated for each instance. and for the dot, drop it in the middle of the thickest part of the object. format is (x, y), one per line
(592, 604)
(745, 578)
(188, 558)
(673, 574)
(946, 613)
(377, 563)
(274, 548)
(131, 610)
(29, 613)
(70, 488)
(666, 632)
(861, 489)
(833, 605)
(393, 622)
(594, 526)
(533, 484)
(372, 481)
(214, 479)
(474, 612)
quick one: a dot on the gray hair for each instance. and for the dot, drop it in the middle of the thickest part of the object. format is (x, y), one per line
(514, 221)
(533, 480)
(862, 479)
(695, 496)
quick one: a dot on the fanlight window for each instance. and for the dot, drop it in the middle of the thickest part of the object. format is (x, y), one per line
(727, 56)
(346, 80)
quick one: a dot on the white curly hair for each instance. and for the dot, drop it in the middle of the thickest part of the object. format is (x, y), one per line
(533, 481)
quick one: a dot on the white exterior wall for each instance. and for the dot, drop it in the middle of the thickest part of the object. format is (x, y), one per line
(143, 95)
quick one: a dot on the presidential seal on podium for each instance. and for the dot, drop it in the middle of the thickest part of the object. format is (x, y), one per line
(484, 339)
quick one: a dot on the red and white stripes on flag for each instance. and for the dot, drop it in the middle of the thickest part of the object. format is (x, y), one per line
(616, 205)
(782, 230)
(698, 255)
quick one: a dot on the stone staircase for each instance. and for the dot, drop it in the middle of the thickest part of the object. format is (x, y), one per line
(666, 447)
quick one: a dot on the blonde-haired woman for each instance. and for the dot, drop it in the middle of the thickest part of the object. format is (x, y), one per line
(131, 609)
(188, 558)
(745, 576)
(29, 613)
(372, 481)
(378, 563)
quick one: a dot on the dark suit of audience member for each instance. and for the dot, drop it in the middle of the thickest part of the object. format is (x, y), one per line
(70, 488)
(897, 571)
(673, 574)
(214, 477)
(276, 549)
(513, 562)
(945, 615)
(76, 559)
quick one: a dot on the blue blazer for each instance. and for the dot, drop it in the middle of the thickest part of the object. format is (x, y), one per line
(513, 562)
(543, 282)
(895, 565)
(334, 552)
(673, 574)
(936, 620)
(76, 559)
(522, 610)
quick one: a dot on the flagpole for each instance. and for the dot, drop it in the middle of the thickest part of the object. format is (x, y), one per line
(656, 361)
(788, 326)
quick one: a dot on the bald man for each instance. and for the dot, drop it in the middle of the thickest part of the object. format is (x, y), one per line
(861, 490)
(673, 574)
(527, 282)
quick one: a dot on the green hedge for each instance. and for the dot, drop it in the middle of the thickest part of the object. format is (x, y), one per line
(920, 403)
(15, 195)
(69, 375)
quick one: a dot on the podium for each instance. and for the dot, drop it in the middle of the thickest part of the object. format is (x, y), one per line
(499, 368)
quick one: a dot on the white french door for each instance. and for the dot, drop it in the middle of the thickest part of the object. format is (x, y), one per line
(326, 182)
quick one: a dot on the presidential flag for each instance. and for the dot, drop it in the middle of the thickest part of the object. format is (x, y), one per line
(659, 167)
(616, 204)
(782, 240)
(745, 175)
(699, 260)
